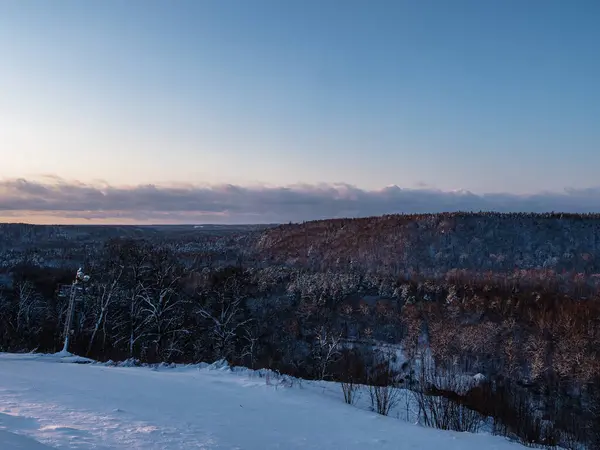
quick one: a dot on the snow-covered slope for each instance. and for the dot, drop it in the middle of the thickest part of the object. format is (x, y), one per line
(48, 404)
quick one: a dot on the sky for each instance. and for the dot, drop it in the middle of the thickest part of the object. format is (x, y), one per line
(266, 110)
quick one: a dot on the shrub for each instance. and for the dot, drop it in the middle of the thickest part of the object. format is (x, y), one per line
(351, 371)
(384, 389)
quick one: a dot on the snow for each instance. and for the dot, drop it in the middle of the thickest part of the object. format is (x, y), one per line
(45, 403)
(479, 378)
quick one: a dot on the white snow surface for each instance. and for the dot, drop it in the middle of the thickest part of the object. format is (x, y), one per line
(45, 403)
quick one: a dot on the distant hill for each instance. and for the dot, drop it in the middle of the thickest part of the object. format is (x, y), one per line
(542, 246)
(74, 245)
(435, 244)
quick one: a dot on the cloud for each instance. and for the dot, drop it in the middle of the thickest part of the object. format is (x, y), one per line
(72, 200)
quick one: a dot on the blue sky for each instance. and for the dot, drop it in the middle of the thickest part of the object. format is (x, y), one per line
(487, 96)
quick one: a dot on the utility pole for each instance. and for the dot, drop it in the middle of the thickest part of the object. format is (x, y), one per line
(80, 277)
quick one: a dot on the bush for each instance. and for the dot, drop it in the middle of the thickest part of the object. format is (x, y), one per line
(384, 389)
(440, 400)
(350, 391)
(351, 372)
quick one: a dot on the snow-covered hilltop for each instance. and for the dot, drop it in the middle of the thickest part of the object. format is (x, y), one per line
(48, 404)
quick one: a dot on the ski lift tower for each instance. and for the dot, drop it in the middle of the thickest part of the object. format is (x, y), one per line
(80, 278)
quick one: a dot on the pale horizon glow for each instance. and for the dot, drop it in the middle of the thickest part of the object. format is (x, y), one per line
(493, 98)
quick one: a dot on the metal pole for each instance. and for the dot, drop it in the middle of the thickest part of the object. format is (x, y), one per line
(80, 276)
(70, 316)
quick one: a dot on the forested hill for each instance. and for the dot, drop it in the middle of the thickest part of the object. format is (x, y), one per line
(435, 244)
(548, 247)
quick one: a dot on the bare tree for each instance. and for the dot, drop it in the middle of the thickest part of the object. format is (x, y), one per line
(28, 303)
(132, 323)
(250, 338)
(160, 301)
(107, 296)
(225, 317)
(328, 346)
(5, 320)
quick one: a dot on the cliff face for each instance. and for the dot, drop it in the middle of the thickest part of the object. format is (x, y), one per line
(435, 244)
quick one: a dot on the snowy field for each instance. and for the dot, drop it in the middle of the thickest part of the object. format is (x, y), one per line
(49, 402)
